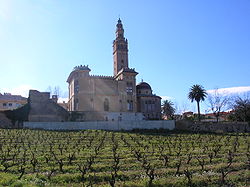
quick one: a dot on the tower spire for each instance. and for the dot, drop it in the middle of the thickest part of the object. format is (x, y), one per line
(119, 29)
(120, 49)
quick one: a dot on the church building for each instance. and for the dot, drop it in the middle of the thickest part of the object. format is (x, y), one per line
(106, 97)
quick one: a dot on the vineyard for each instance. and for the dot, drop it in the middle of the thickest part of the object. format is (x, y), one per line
(101, 158)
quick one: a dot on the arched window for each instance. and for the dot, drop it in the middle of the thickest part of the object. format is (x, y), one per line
(129, 87)
(122, 64)
(76, 86)
(106, 104)
(76, 104)
(130, 105)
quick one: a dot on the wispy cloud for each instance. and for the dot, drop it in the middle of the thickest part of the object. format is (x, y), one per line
(22, 90)
(231, 91)
(6, 14)
(5, 9)
(166, 98)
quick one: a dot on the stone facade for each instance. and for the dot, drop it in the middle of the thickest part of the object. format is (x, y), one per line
(11, 102)
(42, 108)
(101, 93)
(105, 116)
(117, 93)
(148, 103)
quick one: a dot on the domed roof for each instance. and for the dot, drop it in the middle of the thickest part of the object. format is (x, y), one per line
(143, 85)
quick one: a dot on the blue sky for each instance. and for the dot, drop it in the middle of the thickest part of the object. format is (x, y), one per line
(172, 44)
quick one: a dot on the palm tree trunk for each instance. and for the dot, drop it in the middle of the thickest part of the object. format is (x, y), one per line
(198, 106)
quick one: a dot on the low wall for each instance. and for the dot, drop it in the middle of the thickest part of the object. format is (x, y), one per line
(90, 116)
(4, 121)
(102, 125)
(212, 126)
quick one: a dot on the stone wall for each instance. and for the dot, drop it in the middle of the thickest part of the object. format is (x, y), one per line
(106, 116)
(102, 125)
(42, 108)
(4, 121)
(222, 127)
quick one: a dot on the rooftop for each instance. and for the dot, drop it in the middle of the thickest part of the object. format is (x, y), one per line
(143, 85)
(8, 96)
(82, 67)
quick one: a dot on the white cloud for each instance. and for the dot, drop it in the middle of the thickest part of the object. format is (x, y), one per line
(166, 98)
(22, 90)
(231, 91)
(61, 100)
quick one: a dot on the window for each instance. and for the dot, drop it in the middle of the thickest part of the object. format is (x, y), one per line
(153, 106)
(129, 87)
(149, 106)
(4, 104)
(76, 104)
(130, 105)
(106, 104)
(76, 86)
(10, 104)
(122, 64)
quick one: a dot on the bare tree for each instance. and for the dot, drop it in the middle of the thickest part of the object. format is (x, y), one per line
(57, 91)
(54, 91)
(218, 103)
(183, 107)
(49, 89)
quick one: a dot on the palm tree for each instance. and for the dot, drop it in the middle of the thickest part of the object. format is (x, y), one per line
(168, 109)
(197, 93)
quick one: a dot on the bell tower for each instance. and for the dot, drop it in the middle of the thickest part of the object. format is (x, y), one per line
(120, 49)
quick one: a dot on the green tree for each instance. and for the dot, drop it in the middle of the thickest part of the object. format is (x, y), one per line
(168, 109)
(241, 109)
(197, 93)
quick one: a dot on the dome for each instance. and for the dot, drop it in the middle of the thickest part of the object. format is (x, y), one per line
(143, 85)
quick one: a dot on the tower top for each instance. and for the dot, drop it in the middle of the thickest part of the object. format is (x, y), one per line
(120, 49)
(119, 29)
(119, 20)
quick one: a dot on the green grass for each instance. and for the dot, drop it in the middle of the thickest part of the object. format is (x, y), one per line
(33, 158)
